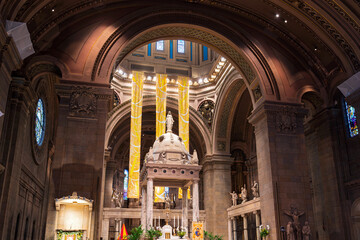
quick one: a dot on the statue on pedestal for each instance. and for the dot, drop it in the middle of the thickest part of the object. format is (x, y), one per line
(306, 231)
(255, 190)
(169, 122)
(234, 198)
(243, 194)
(117, 198)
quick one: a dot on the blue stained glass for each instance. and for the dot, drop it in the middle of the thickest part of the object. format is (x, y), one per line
(181, 46)
(351, 119)
(171, 49)
(126, 180)
(149, 49)
(39, 122)
(160, 45)
(167, 191)
(205, 53)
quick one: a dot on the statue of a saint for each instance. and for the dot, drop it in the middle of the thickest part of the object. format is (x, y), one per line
(169, 122)
(117, 198)
(306, 231)
(290, 235)
(167, 202)
(295, 215)
(234, 198)
(194, 158)
(243, 194)
(255, 190)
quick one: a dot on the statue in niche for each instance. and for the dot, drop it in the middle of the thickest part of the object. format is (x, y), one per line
(306, 231)
(167, 202)
(255, 190)
(169, 122)
(117, 198)
(290, 235)
(173, 201)
(295, 215)
(234, 198)
(243, 194)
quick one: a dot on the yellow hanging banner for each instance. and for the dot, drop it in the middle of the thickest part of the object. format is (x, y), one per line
(160, 122)
(135, 133)
(183, 90)
(180, 194)
(184, 110)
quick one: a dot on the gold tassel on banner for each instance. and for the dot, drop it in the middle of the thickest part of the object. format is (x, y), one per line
(135, 134)
(160, 122)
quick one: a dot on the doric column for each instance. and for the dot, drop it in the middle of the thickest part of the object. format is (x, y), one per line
(246, 234)
(257, 223)
(282, 167)
(195, 200)
(149, 202)
(143, 207)
(217, 185)
(185, 209)
(233, 220)
(230, 234)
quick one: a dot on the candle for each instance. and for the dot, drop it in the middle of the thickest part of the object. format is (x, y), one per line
(174, 221)
(178, 221)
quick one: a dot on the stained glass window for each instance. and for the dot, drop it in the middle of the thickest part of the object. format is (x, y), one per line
(160, 45)
(205, 53)
(39, 122)
(166, 191)
(351, 119)
(181, 46)
(126, 181)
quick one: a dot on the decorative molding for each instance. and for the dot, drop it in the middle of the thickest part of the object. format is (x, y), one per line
(343, 13)
(206, 109)
(82, 102)
(42, 68)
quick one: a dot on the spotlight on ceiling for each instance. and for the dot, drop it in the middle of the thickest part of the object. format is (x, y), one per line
(277, 15)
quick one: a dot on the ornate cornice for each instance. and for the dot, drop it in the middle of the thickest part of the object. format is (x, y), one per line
(343, 13)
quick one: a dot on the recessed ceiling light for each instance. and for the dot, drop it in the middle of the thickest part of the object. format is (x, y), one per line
(277, 15)
(285, 21)
(53, 10)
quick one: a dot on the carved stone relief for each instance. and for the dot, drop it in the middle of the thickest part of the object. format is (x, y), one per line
(206, 109)
(83, 102)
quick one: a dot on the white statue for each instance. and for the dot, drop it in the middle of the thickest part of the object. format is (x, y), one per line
(306, 231)
(255, 190)
(169, 122)
(194, 159)
(243, 194)
(117, 198)
(234, 198)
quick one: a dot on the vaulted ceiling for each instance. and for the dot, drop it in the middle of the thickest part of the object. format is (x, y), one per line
(320, 38)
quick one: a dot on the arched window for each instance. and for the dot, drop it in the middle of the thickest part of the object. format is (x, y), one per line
(160, 45)
(126, 181)
(351, 120)
(39, 122)
(180, 46)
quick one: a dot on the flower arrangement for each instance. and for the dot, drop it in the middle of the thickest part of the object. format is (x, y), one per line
(210, 236)
(60, 234)
(181, 234)
(135, 233)
(264, 231)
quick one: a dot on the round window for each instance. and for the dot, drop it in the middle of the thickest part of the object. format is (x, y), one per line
(40, 122)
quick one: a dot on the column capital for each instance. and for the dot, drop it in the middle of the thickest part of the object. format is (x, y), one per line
(255, 212)
(243, 215)
(217, 161)
(284, 117)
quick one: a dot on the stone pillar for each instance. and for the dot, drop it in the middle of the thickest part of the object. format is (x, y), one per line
(257, 223)
(233, 219)
(329, 200)
(143, 207)
(105, 229)
(117, 227)
(230, 233)
(109, 176)
(149, 202)
(184, 222)
(195, 200)
(217, 185)
(246, 233)
(282, 167)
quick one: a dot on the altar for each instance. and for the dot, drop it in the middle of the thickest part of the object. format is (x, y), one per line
(169, 164)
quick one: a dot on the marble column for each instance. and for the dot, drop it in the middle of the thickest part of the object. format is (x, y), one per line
(149, 202)
(105, 229)
(195, 200)
(143, 208)
(283, 171)
(217, 185)
(233, 220)
(184, 209)
(257, 224)
(246, 233)
(117, 227)
(230, 233)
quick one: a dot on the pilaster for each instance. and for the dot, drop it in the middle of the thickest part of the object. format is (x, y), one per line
(282, 167)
